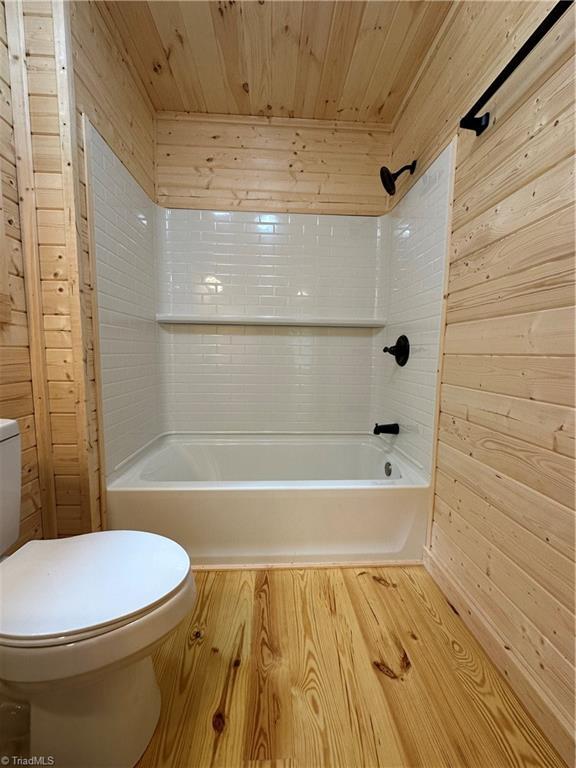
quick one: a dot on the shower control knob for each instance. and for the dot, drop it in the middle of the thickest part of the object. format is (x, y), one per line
(400, 350)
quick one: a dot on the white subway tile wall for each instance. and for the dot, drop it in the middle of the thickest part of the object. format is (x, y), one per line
(417, 256)
(246, 378)
(124, 225)
(267, 379)
(217, 263)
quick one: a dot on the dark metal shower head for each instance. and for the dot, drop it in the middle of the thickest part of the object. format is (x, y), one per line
(388, 178)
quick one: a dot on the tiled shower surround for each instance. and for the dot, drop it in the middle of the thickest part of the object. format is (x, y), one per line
(124, 230)
(418, 242)
(217, 263)
(243, 378)
(268, 378)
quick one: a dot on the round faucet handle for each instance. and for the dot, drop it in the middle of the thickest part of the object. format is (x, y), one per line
(400, 350)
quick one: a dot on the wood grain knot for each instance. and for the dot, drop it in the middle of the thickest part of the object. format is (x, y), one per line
(405, 662)
(218, 721)
(382, 667)
(384, 582)
(452, 607)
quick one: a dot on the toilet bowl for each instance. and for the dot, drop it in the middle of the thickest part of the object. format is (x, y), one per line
(79, 620)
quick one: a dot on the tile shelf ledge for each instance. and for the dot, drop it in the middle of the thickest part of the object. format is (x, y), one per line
(167, 319)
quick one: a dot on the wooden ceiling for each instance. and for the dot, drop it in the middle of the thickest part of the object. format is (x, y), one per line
(328, 60)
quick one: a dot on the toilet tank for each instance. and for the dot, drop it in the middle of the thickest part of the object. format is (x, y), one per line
(9, 483)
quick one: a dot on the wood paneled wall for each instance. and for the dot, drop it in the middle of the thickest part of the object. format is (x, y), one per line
(48, 369)
(48, 168)
(270, 164)
(285, 164)
(110, 92)
(503, 529)
(6, 115)
(476, 41)
(256, 163)
(17, 396)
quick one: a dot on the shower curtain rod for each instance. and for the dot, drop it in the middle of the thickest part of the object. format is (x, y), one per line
(478, 123)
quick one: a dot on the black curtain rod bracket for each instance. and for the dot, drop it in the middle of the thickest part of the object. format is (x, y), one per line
(478, 123)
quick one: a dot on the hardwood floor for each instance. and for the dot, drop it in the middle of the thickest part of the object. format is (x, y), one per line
(349, 668)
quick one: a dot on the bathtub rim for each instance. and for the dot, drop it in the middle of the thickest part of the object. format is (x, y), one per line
(124, 477)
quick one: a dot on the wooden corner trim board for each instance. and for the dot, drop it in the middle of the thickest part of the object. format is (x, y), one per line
(443, 313)
(31, 257)
(554, 724)
(95, 321)
(5, 309)
(76, 281)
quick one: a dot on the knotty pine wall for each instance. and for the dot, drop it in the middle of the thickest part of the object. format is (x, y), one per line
(275, 164)
(475, 42)
(270, 164)
(54, 394)
(6, 115)
(110, 92)
(48, 171)
(502, 544)
(16, 383)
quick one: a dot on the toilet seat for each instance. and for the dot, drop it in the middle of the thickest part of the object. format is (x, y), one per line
(57, 592)
(96, 650)
(89, 634)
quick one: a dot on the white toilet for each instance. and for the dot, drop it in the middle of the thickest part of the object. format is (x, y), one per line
(79, 620)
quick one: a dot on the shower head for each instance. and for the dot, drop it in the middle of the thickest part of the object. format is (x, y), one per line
(388, 178)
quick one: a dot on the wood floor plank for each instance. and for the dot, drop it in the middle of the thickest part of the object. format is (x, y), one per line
(202, 713)
(333, 668)
(269, 733)
(366, 719)
(315, 702)
(339, 718)
(218, 738)
(489, 698)
(174, 662)
(466, 699)
(392, 648)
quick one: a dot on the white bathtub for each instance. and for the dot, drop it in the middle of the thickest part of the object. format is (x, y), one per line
(276, 499)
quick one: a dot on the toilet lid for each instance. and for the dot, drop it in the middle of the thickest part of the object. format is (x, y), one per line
(58, 587)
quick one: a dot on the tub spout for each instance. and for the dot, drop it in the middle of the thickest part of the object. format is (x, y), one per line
(386, 429)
